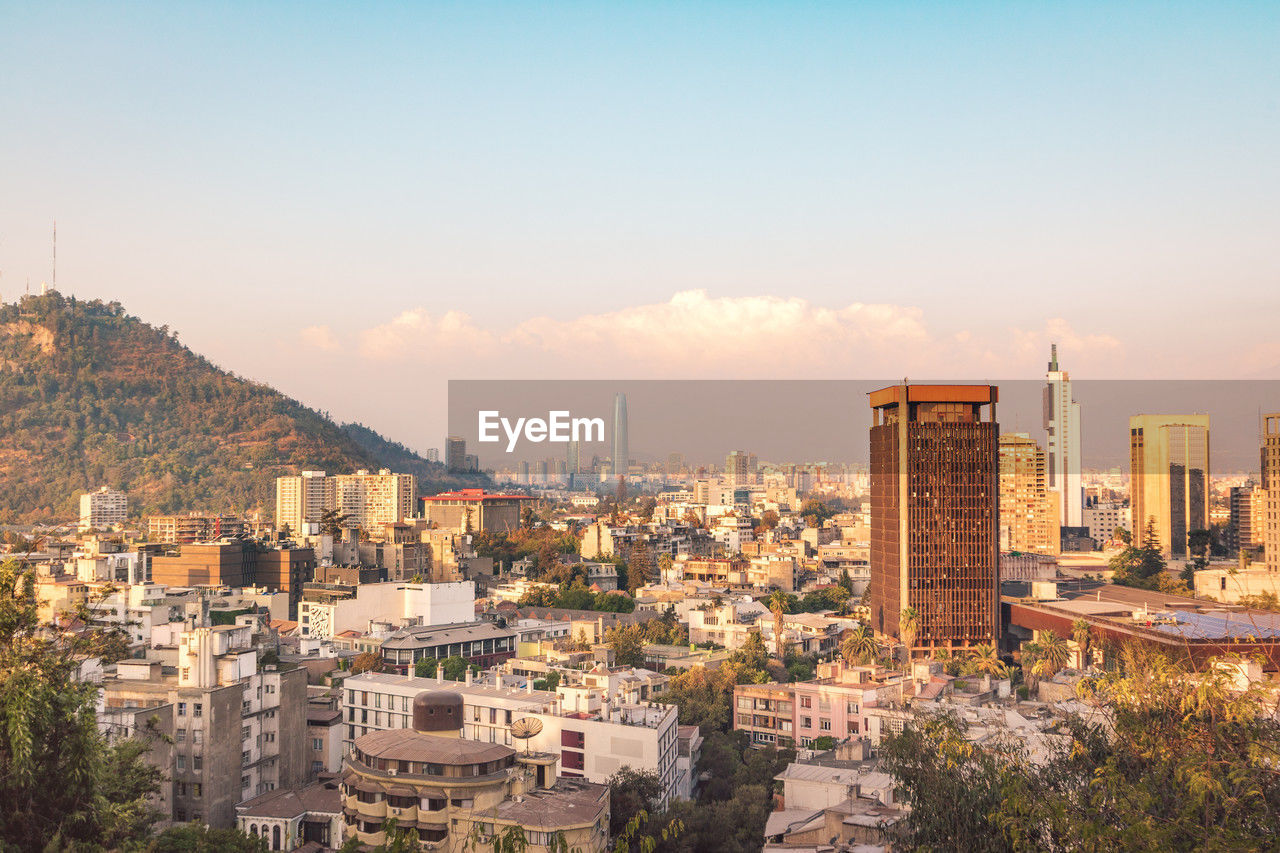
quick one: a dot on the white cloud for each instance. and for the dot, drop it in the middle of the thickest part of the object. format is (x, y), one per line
(320, 337)
(693, 334)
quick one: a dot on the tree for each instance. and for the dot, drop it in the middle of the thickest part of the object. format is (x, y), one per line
(909, 628)
(1054, 651)
(860, 646)
(777, 604)
(455, 668)
(640, 566)
(197, 837)
(769, 519)
(627, 642)
(61, 784)
(1083, 635)
(366, 662)
(1140, 567)
(631, 791)
(333, 522)
(985, 661)
(425, 668)
(1171, 760)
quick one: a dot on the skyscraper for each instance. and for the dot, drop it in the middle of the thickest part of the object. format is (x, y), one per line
(1062, 423)
(934, 513)
(1269, 536)
(455, 453)
(737, 468)
(620, 450)
(1028, 509)
(1169, 478)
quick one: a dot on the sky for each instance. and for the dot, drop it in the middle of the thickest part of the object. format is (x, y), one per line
(359, 202)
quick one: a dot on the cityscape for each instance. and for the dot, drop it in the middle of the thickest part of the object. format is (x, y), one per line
(761, 429)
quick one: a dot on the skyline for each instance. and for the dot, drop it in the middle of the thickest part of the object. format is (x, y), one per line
(690, 186)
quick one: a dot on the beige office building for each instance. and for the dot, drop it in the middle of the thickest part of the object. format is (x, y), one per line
(1169, 478)
(1269, 535)
(1028, 509)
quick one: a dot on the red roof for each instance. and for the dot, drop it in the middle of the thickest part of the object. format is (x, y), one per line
(473, 495)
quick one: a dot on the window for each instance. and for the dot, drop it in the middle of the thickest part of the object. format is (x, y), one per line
(317, 744)
(825, 725)
(180, 736)
(197, 710)
(182, 709)
(244, 783)
(197, 762)
(244, 733)
(806, 702)
(197, 736)
(181, 762)
(197, 789)
(806, 722)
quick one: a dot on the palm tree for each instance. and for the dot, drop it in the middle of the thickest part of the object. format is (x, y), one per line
(908, 629)
(1030, 656)
(985, 661)
(1054, 651)
(777, 604)
(1042, 668)
(860, 645)
(1080, 632)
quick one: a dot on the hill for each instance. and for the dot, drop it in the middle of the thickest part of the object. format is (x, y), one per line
(91, 396)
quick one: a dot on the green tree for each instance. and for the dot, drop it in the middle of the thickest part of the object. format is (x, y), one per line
(425, 668)
(627, 642)
(860, 645)
(631, 791)
(197, 837)
(455, 668)
(61, 784)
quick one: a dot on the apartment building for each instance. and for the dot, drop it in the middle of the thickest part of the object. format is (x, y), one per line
(593, 733)
(326, 612)
(837, 703)
(103, 508)
(1028, 507)
(473, 510)
(237, 733)
(451, 789)
(368, 500)
(193, 527)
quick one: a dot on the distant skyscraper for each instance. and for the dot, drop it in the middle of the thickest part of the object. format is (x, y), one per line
(1062, 423)
(455, 453)
(621, 449)
(1169, 478)
(934, 513)
(1028, 509)
(737, 468)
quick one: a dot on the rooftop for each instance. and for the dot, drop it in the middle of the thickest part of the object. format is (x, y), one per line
(570, 802)
(474, 495)
(321, 797)
(410, 745)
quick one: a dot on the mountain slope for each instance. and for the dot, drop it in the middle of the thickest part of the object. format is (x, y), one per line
(91, 396)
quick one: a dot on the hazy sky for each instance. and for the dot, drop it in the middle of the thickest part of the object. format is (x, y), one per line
(357, 202)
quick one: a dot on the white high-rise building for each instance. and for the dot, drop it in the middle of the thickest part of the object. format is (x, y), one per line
(103, 508)
(1062, 423)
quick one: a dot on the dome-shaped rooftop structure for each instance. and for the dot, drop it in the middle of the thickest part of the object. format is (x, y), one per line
(437, 712)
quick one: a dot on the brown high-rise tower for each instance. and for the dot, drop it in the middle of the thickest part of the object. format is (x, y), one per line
(934, 513)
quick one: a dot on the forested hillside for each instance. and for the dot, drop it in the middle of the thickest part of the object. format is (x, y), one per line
(91, 396)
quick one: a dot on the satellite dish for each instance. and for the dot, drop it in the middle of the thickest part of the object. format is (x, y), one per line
(525, 728)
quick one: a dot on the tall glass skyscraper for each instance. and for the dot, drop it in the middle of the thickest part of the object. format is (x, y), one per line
(620, 452)
(1062, 423)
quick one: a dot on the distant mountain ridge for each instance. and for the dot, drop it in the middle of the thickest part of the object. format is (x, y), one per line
(91, 396)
